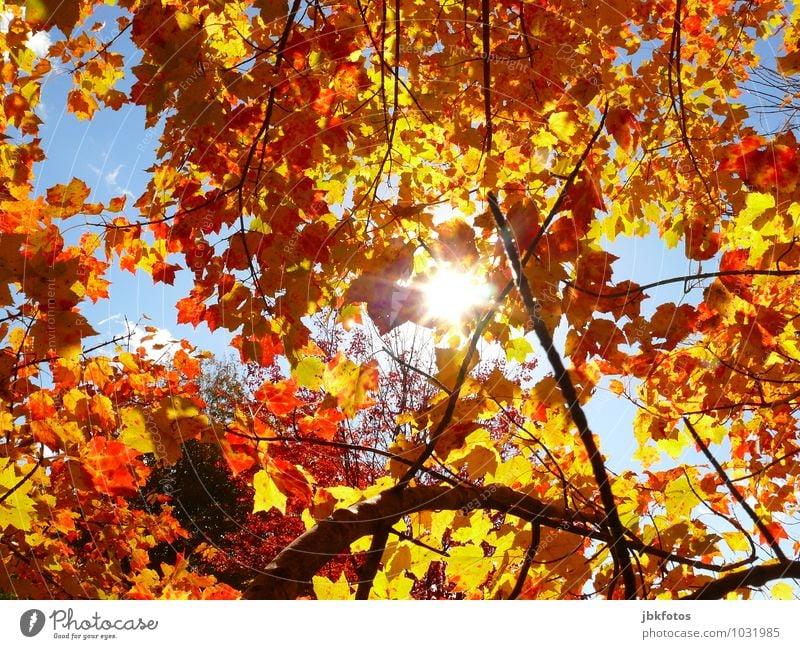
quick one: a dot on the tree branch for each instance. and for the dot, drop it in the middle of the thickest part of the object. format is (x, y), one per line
(618, 547)
(289, 575)
(633, 290)
(487, 72)
(750, 578)
(530, 553)
(765, 531)
(370, 568)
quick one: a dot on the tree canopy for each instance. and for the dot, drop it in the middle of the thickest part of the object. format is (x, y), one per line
(404, 211)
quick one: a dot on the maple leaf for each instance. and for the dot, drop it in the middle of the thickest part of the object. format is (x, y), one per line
(350, 383)
(765, 168)
(68, 200)
(623, 126)
(311, 163)
(112, 466)
(17, 509)
(53, 13)
(278, 398)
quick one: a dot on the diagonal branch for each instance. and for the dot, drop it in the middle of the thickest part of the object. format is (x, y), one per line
(562, 195)
(530, 553)
(370, 568)
(619, 546)
(765, 531)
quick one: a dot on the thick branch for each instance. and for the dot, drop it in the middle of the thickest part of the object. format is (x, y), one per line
(370, 568)
(289, 575)
(751, 578)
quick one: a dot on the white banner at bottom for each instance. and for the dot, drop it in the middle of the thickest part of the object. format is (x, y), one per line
(136, 624)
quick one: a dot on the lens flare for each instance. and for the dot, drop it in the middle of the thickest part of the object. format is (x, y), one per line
(451, 293)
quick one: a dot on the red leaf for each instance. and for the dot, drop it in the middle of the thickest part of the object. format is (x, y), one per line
(765, 168)
(624, 127)
(736, 284)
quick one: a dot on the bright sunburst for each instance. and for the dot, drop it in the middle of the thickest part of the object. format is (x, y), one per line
(450, 293)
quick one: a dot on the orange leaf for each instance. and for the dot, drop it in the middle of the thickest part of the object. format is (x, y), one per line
(112, 466)
(68, 199)
(278, 398)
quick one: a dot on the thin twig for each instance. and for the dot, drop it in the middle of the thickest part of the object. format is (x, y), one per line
(527, 560)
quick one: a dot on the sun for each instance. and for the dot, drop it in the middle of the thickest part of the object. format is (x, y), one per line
(450, 293)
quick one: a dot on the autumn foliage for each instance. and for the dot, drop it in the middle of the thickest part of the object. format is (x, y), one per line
(317, 166)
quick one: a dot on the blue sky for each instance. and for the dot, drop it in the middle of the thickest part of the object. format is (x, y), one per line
(111, 153)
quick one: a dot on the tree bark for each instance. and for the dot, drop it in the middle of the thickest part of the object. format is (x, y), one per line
(289, 575)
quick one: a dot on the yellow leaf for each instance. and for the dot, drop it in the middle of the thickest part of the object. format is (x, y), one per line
(350, 383)
(267, 494)
(309, 372)
(499, 387)
(177, 419)
(782, 590)
(134, 431)
(128, 361)
(514, 472)
(68, 199)
(440, 522)
(672, 447)
(467, 567)
(736, 541)
(563, 125)
(399, 559)
(474, 527)
(479, 461)
(449, 362)
(756, 204)
(16, 510)
(397, 588)
(518, 350)
(680, 499)
(324, 588)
